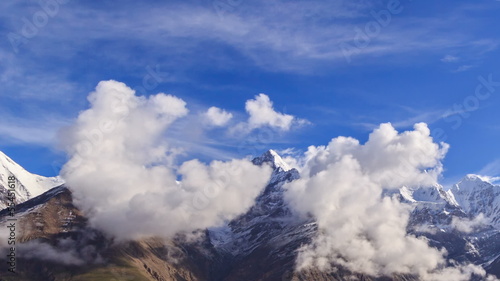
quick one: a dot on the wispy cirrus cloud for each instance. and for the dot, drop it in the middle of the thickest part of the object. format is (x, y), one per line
(491, 170)
(277, 36)
(300, 37)
(464, 67)
(406, 117)
(40, 131)
(450, 58)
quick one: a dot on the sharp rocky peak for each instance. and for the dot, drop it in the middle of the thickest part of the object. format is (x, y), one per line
(272, 158)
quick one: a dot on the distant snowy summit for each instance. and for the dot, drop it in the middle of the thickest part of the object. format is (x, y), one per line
(27, 185)
(476, 195)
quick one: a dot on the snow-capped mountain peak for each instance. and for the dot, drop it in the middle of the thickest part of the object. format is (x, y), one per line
(476, 195)
(472, 182)
(274, 159)
(28, 185)
(270, 212)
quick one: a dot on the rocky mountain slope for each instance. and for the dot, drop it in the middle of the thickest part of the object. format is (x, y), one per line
(56, 243)
(262, 244)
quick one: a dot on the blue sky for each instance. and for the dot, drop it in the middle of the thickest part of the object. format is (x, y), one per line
(344, 66)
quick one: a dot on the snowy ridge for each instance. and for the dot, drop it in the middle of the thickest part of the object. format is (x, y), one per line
(433, 194)
(28, 185)
(463, 219)
(438, 214)
(475, 196)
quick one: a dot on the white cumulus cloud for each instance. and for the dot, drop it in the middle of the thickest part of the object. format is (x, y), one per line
(121, 169)
(359, 228)
(217, 117)
(262, 113)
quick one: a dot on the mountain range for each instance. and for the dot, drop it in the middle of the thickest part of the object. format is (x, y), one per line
(56, 241)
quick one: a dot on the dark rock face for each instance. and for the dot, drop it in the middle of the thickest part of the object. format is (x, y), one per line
(261, 244)
(53, 221)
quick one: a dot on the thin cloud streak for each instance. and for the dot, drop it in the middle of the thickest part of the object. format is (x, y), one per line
(41, 131)
(262, 33)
